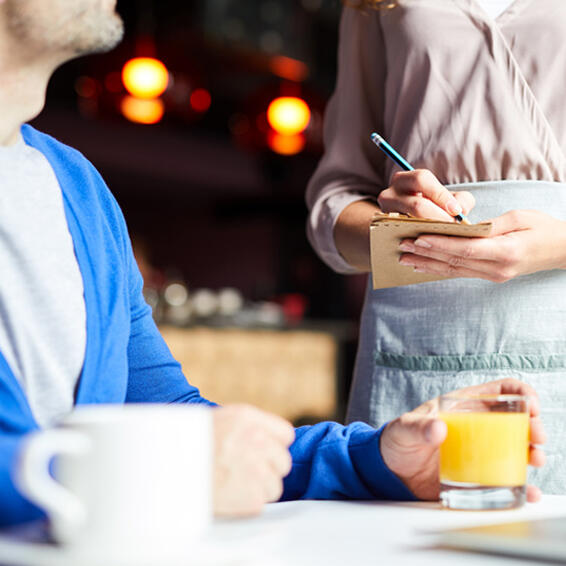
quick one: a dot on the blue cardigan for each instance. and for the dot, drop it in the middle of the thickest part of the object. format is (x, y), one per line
(127, 361)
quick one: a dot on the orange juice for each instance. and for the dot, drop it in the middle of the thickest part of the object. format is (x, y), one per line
(485, 448)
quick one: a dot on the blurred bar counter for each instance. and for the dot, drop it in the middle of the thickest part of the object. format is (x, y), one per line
(294, 373)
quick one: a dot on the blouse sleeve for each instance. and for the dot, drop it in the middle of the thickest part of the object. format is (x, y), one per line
(351, 168)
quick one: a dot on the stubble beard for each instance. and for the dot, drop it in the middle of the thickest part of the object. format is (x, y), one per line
(71, 27)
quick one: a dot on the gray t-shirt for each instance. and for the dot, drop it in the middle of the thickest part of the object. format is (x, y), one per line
(42, 308)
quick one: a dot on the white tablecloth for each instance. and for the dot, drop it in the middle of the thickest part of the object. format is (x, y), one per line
(326, 533)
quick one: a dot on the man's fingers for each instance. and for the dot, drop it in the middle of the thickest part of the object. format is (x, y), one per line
(415, 429)
(538, 434)
(273, 425)
(435, 432)
(505, 386)
(537, 457)
(273, 489)
(533, 494)
(269, 483)
(278, 427)
(277, 457)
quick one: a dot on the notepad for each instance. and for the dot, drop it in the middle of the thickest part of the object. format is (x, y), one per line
(386, 233)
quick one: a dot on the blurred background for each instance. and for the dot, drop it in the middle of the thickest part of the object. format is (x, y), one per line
(206, 123)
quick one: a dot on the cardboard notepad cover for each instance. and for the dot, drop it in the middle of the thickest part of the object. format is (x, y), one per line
(386, 233)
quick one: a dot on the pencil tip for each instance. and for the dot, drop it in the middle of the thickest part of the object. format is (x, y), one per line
(462, 219)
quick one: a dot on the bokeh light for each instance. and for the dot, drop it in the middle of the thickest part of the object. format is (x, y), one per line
(288, 68)
(200, 100)
(142, 111)
(286, 145)
(288, 115)
(145, 77)
(86, 87)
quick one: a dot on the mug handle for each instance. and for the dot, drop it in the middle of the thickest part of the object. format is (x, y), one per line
(35, 482)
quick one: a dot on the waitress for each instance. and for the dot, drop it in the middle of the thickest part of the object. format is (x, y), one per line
(471, 92)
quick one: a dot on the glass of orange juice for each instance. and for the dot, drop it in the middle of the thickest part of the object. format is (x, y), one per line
(483, 461)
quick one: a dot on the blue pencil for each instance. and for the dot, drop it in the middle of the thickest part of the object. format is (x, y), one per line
(403, 163)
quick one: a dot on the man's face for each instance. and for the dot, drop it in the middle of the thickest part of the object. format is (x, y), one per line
(73, 27)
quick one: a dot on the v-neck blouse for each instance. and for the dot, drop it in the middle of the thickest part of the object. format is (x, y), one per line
(457, 92)
(494, 8)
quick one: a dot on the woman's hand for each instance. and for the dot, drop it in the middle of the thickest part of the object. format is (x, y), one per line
(420, 194)
(417, 193)
(521, 242)
(409, 444)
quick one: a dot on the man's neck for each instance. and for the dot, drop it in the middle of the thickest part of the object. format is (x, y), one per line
(22, 96)
(25, 74)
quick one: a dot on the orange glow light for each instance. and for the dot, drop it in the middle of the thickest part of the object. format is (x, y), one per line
(286, 145)
(288, 115)
(145, 77)
(287, 68)
(200, 100)
(142, 111)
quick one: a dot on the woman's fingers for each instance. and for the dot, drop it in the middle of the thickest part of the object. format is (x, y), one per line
(424, 182)
(453, 266)
(466, 200)
(497, 249)
(420, 194)
(412, 204)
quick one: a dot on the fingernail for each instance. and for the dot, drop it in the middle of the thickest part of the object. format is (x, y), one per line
(407, 247)
(454, 207)
(420, 270)
(407, 262)
(422, 243)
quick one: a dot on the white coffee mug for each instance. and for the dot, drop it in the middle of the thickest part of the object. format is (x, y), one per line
(133, 483)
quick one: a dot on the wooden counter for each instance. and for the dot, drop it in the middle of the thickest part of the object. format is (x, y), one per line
(289, 372)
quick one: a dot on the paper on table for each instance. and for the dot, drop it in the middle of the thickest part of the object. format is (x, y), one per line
(387, 231)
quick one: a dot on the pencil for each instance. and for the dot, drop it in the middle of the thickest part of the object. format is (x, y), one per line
(404, 164)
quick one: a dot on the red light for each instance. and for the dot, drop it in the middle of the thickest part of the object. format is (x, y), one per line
(86, 87)
(200, 100)
(113, 82)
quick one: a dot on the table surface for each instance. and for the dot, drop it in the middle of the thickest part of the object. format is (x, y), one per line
(326, 533)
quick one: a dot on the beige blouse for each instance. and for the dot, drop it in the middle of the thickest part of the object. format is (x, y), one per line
(453, 90)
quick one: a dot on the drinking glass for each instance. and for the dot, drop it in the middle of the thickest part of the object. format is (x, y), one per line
(483, 461)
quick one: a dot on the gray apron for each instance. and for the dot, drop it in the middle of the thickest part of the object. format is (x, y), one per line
(422, 340)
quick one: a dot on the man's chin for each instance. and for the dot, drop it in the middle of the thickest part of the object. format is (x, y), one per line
(106, 40)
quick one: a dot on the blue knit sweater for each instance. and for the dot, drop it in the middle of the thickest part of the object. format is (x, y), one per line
(127, 361)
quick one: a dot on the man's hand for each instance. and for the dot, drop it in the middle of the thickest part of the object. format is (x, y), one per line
(521, 242)
(251, 458)
(409, 444)
(420, 194)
